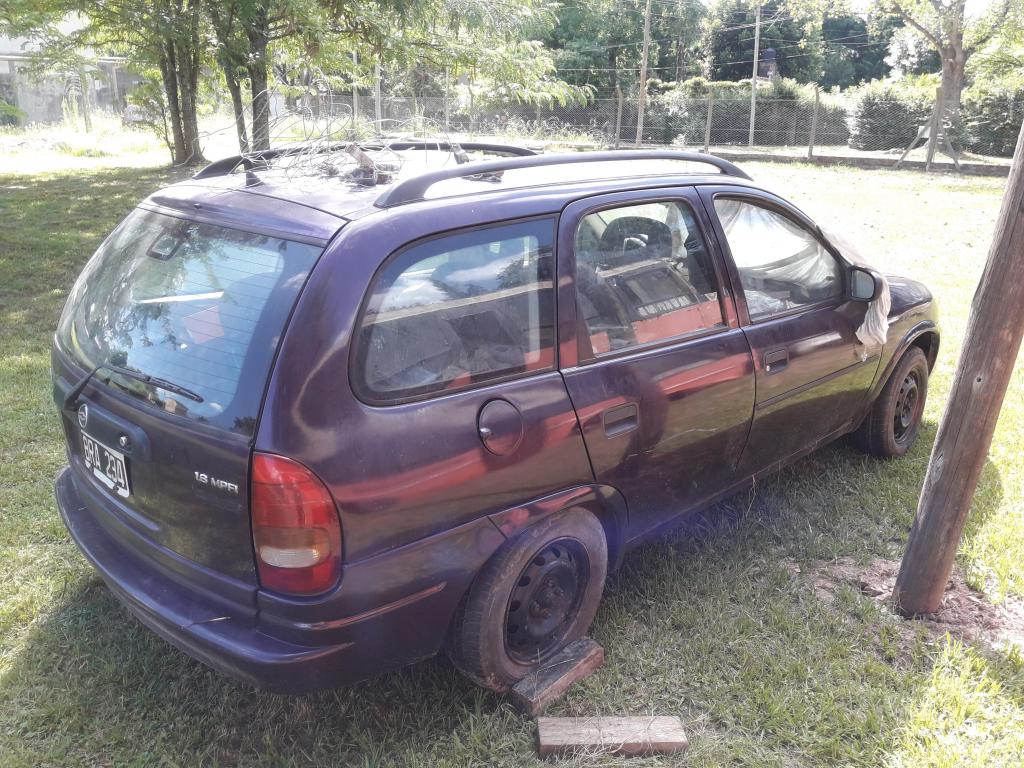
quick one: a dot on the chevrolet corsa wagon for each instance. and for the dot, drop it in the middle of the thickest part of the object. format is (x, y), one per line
(327, 419)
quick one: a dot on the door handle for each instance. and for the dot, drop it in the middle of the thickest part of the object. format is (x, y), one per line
(621, 419)
(776, 360)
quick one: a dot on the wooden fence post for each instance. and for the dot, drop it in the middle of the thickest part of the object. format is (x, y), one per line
(707, 123)
(933, 131)
(983, 372)
(814, 124)
(618, 115)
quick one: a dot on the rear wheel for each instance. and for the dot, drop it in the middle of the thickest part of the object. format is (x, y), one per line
(538, 593)
(890, 428)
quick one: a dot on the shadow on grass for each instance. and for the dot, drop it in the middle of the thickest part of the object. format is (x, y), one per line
(704, 623)
(50, 224)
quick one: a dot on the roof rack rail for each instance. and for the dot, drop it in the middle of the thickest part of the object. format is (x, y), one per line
(413, 189)
(256, 160)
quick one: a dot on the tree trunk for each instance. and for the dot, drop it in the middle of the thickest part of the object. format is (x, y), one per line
(188, 86)
(169, 74)
(237, 106)
(258, 34)
(954, 61)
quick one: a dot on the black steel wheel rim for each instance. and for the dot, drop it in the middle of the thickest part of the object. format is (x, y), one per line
(908, 401)
(545, 600)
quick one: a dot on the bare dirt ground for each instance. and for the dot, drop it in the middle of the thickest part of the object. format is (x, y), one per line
(964, 613)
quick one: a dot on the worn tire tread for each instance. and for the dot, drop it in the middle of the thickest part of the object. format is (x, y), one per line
(464, 646)
(874, 436)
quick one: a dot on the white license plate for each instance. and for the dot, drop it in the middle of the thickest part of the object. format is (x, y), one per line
(109, 466)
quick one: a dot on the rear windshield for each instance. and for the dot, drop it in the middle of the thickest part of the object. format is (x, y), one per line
(199, 307)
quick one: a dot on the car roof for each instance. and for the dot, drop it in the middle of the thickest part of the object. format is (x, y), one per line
(313, 202)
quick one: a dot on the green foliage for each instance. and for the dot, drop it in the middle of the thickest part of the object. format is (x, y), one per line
(992, 118)
(886, 114)
(784, 113)
(854, 52)
(793, 29)
(599, 42)
(10, 114)
(519, 73)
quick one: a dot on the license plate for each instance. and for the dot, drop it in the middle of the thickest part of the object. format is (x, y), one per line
(109, 466)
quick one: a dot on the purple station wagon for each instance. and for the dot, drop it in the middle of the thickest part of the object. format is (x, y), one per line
(332, 410)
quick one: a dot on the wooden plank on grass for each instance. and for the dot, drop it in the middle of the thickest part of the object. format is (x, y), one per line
(579, 659)
(610, 735)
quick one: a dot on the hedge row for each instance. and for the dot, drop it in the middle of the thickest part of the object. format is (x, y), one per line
(783, 117)
(881, 115)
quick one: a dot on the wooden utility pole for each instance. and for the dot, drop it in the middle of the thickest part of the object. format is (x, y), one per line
(983, 372)
(642, 103)
(753, 78)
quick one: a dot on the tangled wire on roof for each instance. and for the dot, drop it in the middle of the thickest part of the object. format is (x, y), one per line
(320, 138)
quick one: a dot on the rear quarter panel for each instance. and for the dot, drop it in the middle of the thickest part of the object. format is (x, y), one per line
(400, 473)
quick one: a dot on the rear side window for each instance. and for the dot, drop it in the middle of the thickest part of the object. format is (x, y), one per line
(459, 310)
(199, 307)
(781, 265)
(644, 275)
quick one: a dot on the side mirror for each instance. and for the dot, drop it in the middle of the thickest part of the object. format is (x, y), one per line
(864, 285)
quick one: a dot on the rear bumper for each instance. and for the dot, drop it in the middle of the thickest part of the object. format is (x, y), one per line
(333, 653)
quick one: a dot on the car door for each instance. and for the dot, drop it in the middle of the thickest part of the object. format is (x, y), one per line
(812, 373)
(655, 363)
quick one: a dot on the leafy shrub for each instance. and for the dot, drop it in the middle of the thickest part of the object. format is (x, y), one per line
(992, 119)
(888, 114)
(10, 114)
(784, 113)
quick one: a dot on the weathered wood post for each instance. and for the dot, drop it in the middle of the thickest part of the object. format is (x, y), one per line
(707, 123)
(814, 124)
(618, 115)
(983, 372)
(934, 127)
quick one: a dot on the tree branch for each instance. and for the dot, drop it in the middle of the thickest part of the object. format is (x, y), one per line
(931, 36)
(999, 14)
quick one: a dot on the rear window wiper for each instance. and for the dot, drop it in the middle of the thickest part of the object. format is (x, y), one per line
(71, 398)
(155, 381)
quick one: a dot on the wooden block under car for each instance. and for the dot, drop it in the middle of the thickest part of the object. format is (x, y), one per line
(628, 736)
(579, 659)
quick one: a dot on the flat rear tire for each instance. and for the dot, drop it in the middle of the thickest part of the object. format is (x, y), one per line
(538, 593)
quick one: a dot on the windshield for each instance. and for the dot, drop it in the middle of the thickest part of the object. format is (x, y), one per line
(190, 313)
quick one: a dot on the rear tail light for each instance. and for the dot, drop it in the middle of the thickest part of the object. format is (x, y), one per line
(295, 527)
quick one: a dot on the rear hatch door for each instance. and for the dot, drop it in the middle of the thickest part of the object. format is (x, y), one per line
(169, 336)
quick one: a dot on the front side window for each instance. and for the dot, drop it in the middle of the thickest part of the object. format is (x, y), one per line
(460, 310)
(781, 265)
(643, 275)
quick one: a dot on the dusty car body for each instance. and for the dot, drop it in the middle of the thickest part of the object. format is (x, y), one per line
(440, 388)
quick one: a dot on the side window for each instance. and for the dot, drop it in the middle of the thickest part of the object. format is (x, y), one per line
(782, 266)
(643, 274)
(460, 310)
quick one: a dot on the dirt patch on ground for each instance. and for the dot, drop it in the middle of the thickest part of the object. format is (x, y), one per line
(964, 612)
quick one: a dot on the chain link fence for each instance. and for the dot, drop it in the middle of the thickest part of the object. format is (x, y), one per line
(827, 125)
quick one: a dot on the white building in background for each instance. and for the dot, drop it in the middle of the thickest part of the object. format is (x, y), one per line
(42, 97)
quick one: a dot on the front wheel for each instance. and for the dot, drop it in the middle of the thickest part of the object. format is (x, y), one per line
(892, 424)
(536, 595)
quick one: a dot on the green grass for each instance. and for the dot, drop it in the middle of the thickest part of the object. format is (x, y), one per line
(706, 624)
